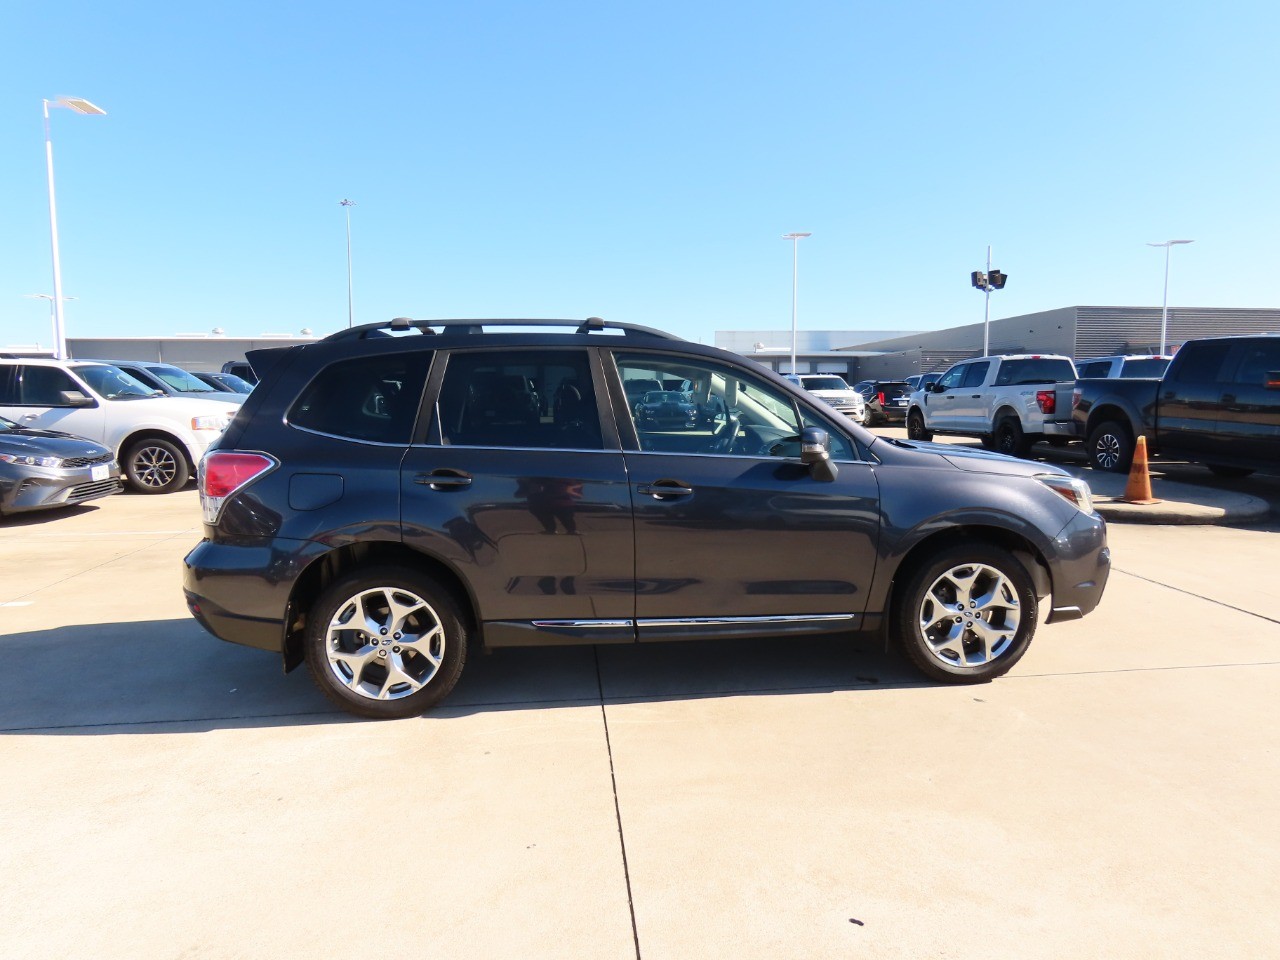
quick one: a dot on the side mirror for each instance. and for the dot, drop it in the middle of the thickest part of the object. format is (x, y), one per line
(815, 454)
(74, 398)
(936, 387)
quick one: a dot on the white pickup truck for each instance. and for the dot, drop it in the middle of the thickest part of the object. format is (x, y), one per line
(157, 439)
(1009, 403)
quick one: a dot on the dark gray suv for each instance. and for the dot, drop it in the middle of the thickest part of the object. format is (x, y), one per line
(395, 493)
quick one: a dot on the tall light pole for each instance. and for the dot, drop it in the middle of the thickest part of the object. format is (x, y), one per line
(986, 282)
(1164, 309)
(351, 314)
(53, 316)
(59, 321)
(795, 239)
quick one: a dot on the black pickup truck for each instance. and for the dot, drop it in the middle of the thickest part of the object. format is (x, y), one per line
(1217, 404)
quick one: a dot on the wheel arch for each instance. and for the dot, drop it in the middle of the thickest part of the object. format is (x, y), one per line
(1101, 413)
(919, 554)
(157, 433)
(323, 570)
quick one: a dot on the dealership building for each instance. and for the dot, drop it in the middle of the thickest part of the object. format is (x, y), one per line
(1077, 332)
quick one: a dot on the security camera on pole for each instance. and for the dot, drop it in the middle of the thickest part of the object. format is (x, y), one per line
(986, 282)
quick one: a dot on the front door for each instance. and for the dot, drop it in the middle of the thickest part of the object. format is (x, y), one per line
(733, 535)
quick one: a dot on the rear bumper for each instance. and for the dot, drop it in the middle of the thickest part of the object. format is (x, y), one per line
(1061, 428)
(254, 579)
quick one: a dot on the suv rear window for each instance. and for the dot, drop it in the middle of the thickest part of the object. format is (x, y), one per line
(366, 398)
(1034, 370)
(1149, 367)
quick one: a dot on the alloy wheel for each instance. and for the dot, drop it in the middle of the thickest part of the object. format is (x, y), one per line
(385, 643)
(154, 467)
(969, 616)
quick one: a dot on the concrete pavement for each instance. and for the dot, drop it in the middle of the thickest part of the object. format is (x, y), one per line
(169, 795)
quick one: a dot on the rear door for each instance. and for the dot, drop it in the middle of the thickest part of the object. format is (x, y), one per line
(1249, 417)
(519, 485)
(1191, 399)
(732, 533)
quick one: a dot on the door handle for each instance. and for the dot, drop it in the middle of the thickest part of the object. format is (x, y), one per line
(975, 396)
(32, 416)
(443, 479)
(665, 489)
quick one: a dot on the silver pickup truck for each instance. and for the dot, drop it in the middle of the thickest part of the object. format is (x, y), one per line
(1009, 402)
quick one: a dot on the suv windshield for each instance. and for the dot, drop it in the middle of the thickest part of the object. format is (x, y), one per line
(113, 383)
(824, 383)
(179, 379)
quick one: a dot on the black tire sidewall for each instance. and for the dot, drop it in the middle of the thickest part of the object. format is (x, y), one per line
(908, 601)
(181, 474)
(336, 594)
(1010, 426)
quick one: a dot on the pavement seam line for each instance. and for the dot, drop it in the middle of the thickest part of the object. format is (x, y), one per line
(1198, 596)
(617, 809)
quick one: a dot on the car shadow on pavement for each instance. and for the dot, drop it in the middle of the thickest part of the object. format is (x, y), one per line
(165, 675)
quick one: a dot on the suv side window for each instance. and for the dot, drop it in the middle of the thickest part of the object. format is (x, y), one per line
(954, 377)
(42, 386)
(374, 399)
(8, 384)
(526, 398)
(1098, 368)
(1199, 362)
(976, 374)
(724, 411)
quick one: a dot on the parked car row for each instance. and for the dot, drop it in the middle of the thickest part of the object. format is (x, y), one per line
(75, 430)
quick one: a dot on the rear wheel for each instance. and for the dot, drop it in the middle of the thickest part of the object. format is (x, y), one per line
(1009, 438)
(385, 643)
(1110, 447)
(916, 429)
(156, 466)
(968, 615)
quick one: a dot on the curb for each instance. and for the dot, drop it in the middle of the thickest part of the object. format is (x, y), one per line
(1180, 503)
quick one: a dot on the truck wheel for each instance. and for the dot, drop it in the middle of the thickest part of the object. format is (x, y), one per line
(1110, 447)
(916, 429)
(1010, 439)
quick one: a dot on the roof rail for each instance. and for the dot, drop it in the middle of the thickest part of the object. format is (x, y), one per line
(456, 327)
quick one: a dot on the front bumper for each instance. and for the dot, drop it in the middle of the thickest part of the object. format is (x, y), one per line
(24, 488)
(1080, 568)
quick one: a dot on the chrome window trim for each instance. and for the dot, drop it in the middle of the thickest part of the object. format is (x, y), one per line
(584, 624)
(468, 446)
(334, 436)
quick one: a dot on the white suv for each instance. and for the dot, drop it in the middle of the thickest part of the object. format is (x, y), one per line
(157, 439)
(832, 390)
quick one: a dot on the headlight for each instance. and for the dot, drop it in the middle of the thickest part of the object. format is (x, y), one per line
(207, 423)
(31, 461)
(1069, 488)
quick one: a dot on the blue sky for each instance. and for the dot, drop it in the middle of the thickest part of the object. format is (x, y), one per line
(636, 162)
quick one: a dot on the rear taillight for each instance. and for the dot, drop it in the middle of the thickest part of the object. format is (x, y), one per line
(1046, 400)
(222, 473)
(880, 397)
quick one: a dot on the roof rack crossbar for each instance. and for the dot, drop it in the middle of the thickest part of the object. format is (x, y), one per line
(437, 327)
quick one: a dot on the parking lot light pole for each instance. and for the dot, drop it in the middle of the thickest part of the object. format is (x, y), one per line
(795, 239)
(53, 316)
(986, 282)
(1164, 309)
(348, 204)
(59, 321)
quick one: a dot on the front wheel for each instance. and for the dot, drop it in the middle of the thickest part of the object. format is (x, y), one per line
(1110, 447)
(916, 429)
(156, 466)
(968, 615)
(385, 643)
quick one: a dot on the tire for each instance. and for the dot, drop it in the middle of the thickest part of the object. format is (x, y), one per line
(916, 428)
(156, 466)
(351, 665)
(1009, 438)
(1228, 473)
(992, 636)
(1110, 447)
(987, 442)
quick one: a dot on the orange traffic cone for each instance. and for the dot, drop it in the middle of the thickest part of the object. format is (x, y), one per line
(1138, 489)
